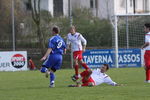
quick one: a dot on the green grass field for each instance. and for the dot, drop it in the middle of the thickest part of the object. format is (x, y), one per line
(32, 85)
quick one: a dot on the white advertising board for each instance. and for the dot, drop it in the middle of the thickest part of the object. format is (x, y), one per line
(13, 61)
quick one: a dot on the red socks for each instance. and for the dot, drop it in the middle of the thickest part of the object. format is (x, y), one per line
(147, 74)
(76, 67)
(85, 66)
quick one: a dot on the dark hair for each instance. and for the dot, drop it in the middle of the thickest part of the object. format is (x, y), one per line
(106, 66)
(147, 25)
(29, 57)
(56, 29)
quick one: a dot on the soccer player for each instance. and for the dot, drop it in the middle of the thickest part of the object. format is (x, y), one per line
(95, 77)
(53, 55)
(78, 45)
(146, 46)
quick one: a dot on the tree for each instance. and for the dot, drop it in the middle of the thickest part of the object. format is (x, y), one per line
(6, 22)
(36, 12)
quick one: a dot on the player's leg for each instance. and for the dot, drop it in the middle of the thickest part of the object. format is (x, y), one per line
(76, 68)
(148, 75)
(85, 75)
(147, 65)
(76, 65)
(80, 59)
(90, 82)
(45, 66)
(85, 79)
(43, 69)
(57, 62)
(84, 64)
(52, 77)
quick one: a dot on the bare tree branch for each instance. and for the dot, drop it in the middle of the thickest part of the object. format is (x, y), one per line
(32, 10)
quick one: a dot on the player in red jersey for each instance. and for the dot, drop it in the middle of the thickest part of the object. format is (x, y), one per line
(146, 47)
(78, 45)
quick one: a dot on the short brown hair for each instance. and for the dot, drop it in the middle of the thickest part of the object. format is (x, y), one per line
(56, 29)
(106, 66)
(72, 27)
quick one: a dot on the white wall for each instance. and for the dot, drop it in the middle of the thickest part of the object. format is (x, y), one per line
(139, 6)
(50, 7)
(120, 7)
(47, 5)
(105, 9)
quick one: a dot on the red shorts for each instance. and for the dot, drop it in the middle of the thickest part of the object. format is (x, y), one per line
(77, 55)
(86, 82)
(147, 58)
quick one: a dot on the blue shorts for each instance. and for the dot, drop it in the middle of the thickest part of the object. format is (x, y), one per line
(53, 61)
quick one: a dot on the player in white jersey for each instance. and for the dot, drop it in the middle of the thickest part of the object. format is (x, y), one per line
(146, 46)
(95, 77)
(78, 44)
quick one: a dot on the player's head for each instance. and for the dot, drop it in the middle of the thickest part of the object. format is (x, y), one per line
(29, 58)
(147, 27)
(72, 29)
(104, 68)
(55, 30)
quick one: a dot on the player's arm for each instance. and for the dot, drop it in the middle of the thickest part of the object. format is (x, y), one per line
(65, 51)
(68, 42)
(49, 50)
(46, 54)
(145, 45)
(147, 42)
(83, 40)
(64, 47)
(109, 81)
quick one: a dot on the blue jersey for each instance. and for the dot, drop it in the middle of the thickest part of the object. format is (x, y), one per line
(57, 44)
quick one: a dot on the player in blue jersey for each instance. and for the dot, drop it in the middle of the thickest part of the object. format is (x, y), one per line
(53, 56)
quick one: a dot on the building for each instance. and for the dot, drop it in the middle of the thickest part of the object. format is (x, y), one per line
(104, 9)
(55, 7)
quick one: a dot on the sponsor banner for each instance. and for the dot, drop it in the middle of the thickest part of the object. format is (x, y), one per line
(13, 61)
(126, 57)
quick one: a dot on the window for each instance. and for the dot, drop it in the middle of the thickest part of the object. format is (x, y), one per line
(58, 8)
(93, 3)
(131, 3)
(28, 5)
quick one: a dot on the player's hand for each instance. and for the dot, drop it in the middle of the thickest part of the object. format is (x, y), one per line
(83, 50)
(120, 85)
(69, 49)
(65, 51)
(43, 58)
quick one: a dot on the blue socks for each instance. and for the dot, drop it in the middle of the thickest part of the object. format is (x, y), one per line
(52, 77)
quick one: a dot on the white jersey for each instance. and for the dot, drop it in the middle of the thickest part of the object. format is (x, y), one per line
(147, 39)
(100, 78)
(76, 41)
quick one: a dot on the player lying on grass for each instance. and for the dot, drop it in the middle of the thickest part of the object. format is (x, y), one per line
(94, 77)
